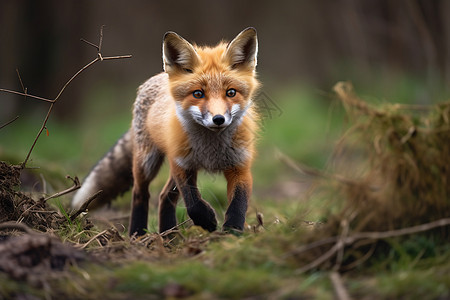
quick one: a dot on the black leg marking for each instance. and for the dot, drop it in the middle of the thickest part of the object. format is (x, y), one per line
(139, 212)
(235, 215)
(144, 171)
(201, 213)
(167, 206)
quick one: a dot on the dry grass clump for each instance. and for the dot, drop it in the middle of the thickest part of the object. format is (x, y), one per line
(406, 154)
(390, 179)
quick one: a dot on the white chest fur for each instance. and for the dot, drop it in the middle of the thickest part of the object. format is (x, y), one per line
(211, 150)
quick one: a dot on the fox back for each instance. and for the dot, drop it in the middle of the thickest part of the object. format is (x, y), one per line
(199, 115)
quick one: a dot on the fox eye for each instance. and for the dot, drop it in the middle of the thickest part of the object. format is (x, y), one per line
(231, 93)
(198, 94)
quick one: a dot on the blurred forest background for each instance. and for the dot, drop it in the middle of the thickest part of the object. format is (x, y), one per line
(304, 42)
(390, 50)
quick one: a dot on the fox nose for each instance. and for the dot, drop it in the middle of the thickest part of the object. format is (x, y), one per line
(218, 120)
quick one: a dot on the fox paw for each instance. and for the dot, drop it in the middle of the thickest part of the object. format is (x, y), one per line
(202, 214)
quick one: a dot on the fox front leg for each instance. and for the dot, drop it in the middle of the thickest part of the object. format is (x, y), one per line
(201, 213)
(167, 206)
(239, 189)
(142, 178)
(139, 206)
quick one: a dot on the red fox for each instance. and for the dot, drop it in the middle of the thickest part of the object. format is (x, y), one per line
(198, 114)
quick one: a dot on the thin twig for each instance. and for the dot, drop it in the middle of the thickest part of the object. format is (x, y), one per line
(27, 95)
(398, 232)
(308, 171)
(310, 246)
(59, 94)
(76, 185)
(9, 122)
(340, 254)
(21, 82)
(53, 101)
(361, 260)
(116, 57)
(100, 43)
(93, 238)
(89, 43)
(339, 288)
(321, 258)
(85, 205)
(38, 135)
(166, 232)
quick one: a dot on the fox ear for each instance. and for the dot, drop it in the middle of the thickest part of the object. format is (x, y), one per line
(178, 54)
(243, 50)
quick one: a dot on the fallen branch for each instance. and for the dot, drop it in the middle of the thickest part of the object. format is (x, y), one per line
(341, 241)
(53, 101)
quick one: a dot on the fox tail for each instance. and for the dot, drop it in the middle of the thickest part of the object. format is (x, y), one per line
(112, 174)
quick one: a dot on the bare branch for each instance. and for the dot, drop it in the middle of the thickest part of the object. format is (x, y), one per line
(339, 288)
(9, 122)
(76, 186)
(37, 136)
(21, 82)
(53, 101)
(308, 171)
(27, 95)
(397, 232)
(89, 43)
(73, 77)
(324, 257)
(100, 43)
(116, 57)
(344, 241)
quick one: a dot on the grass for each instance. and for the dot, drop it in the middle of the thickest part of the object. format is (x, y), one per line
(259, 264)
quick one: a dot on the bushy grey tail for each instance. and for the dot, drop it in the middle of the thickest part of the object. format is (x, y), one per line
(112, 174)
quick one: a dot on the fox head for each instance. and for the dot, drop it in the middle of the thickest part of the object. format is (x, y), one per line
(212, 86)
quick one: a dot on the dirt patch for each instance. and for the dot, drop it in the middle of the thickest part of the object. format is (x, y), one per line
(32, 255)
(9, 179)
(31, 251)
(19, 207)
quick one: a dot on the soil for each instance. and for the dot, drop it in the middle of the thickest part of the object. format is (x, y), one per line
(27, 247)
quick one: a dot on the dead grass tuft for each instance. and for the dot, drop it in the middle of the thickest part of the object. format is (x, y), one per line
(390, 179)
(405, 152)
